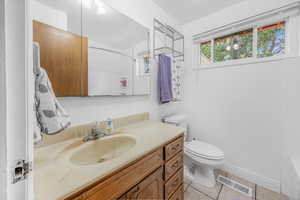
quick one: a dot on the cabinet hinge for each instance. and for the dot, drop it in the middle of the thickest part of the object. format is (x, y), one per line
(21, 170)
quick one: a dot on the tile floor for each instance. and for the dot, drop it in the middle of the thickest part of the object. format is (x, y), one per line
(221, 192)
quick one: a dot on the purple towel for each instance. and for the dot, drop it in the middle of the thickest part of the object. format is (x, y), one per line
(165, 79)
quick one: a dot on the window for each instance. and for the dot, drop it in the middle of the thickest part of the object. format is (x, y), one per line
(234, 46)
(270, 42)
(205, 52)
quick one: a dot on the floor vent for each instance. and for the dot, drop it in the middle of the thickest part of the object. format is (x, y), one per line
(235, 185)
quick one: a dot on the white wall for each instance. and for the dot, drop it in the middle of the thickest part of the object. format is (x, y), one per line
(106, 70)
(240, 108)
(291, 137)
(49, 15)
(97, 108)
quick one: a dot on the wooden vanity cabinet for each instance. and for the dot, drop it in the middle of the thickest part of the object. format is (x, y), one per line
(150, 188)
(158, 175)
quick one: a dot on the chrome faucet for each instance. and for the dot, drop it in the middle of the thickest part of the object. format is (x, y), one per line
(95, 134)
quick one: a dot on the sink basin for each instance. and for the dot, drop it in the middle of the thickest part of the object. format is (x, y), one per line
(102, 150)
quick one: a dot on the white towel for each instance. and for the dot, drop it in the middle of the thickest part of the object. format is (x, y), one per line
(37, 133)
(51, 116)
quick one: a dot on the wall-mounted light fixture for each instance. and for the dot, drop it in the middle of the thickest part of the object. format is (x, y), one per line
(97, 5)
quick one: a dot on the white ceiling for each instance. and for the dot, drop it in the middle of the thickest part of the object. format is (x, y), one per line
(188, 10)
(111, 29)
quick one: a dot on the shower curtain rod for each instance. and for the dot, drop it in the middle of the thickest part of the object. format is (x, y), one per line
(113, 51)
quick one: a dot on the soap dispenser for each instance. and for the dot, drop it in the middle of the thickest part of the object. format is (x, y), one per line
(109, 126)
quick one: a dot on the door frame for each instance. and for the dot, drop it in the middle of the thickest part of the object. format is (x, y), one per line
(30, 87)
(10, 24)
(3, 139)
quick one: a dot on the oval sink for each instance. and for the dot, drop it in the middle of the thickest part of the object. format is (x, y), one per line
(102, 150)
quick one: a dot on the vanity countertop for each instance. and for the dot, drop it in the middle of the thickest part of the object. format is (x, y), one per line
(55, 177)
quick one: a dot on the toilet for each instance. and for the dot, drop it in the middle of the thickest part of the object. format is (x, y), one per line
(200, 158)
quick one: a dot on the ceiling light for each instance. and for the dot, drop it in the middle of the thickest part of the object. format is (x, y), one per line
(87, 3)
(99, 3)
(101, 10)
(96, 5)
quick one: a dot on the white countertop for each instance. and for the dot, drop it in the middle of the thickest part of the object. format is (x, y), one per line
(55, 177)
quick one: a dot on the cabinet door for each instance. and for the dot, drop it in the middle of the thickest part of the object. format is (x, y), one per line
(64, 56)
(150, 188)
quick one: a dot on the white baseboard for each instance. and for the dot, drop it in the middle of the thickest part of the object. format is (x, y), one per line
(253, 177)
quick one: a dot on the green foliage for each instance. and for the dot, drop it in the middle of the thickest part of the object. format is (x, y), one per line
(224, 48)
(271, 41)
(206, 50)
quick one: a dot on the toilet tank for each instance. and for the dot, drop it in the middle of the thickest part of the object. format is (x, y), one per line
(177, 120)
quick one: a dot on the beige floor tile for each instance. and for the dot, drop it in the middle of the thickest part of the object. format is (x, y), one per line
(265, 194)
(192, 194)
(243, 181)
(229, 194)
(212, 192)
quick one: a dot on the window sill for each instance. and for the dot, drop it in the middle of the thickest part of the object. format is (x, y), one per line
(246, 61)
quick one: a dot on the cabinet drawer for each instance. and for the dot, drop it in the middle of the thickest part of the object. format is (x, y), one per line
(78, 198)
(173, 148)
(178, 195)
(172, 185)
(119, 183)
(173, 165)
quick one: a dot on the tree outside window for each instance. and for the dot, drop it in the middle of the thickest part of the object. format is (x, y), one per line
(239, 45)
(271, 40)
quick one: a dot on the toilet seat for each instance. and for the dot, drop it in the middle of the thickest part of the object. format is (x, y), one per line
(203, 150)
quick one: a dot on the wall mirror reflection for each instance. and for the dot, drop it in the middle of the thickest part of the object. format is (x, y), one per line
(89, 49)
(57, 30)
(118, 51)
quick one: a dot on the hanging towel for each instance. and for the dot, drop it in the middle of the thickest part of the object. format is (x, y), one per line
(177, 79)
(165, 79)
(37, 133)
(50, 114)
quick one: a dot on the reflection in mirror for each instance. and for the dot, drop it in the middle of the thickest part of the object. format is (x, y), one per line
(118, 52)
(57, 29)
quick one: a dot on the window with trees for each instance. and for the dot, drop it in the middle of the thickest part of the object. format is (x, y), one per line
(269, 41)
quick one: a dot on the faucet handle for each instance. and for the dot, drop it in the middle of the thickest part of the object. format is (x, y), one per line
(95, 129)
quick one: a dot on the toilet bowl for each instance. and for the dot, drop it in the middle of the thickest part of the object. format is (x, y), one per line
(200, 158)
(204, 158)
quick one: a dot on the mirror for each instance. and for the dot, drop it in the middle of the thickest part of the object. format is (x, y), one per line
(118, 52)
(57, 30)
(90, 49)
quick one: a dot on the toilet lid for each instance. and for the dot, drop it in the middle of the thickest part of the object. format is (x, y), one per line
(204, 150)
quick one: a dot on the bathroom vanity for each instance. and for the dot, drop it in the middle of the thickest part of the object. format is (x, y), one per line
(142, 160)
(157, 175)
